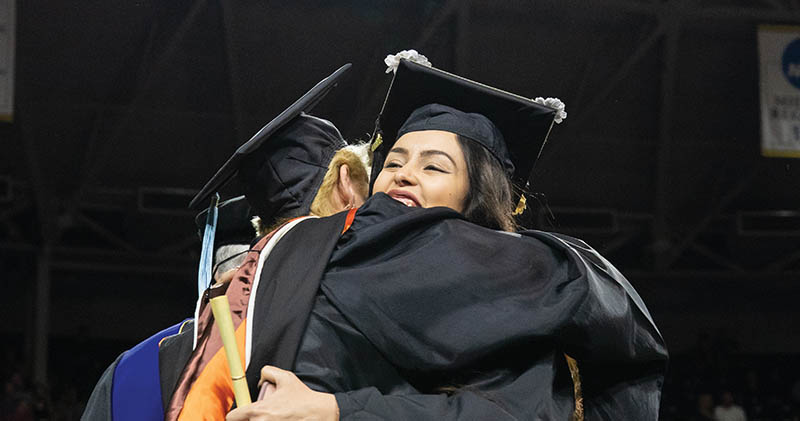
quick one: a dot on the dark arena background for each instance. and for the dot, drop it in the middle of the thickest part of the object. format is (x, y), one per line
(123, 109)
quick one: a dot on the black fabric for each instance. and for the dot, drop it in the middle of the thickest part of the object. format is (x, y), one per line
(286, 293)
(448, 305)
(334, 356)
(98, 407)
(472, 126)
(173, 354)
(282, 178)
(233, 222)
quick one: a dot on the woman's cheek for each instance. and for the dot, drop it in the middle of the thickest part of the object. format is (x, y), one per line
(380, 183)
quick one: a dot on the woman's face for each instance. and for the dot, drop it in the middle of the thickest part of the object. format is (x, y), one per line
(425, 169)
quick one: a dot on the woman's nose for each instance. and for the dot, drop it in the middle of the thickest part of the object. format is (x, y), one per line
(404, 176)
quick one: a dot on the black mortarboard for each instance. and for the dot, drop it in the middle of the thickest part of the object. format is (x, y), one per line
(282, 166)
(523, 124)
(282, 180)
(233, 222)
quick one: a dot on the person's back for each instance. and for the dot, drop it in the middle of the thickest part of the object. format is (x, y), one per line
(728, 410)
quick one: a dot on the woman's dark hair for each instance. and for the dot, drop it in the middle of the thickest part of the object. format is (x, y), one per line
(489, 200)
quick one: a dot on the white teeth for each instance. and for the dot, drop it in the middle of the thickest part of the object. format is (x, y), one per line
(408, 202)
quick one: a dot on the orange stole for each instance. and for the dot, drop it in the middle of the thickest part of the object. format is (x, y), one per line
(351, 215)
(211, 395)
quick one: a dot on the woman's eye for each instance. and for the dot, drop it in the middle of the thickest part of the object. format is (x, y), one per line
(434, 168)
(391, 165)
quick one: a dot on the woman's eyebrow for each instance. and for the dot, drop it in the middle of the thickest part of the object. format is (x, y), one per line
(430, 152)
(403, 151)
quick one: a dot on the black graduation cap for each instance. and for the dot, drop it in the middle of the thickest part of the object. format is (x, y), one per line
(281, 167)
(523, 123)
(233, 222)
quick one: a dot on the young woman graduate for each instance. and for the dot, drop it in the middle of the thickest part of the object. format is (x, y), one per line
(425, 308)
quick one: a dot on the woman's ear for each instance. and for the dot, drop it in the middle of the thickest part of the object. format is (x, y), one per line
(346, 189)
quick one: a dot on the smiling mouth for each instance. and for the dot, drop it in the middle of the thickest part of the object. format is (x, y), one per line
(405, 198)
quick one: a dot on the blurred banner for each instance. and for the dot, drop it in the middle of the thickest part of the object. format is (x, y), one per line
(7, 44)
(779, 67)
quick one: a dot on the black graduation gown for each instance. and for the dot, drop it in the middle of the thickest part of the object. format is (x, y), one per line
(418, 314)
(422, 315)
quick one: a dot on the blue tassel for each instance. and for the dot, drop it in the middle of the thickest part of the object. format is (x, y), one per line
(207, 253)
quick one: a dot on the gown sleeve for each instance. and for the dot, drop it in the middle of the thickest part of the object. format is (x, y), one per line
(601, 322)
(451, 297)
(539, 392)
(620, 352)
(370, 404)
(99, 405)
